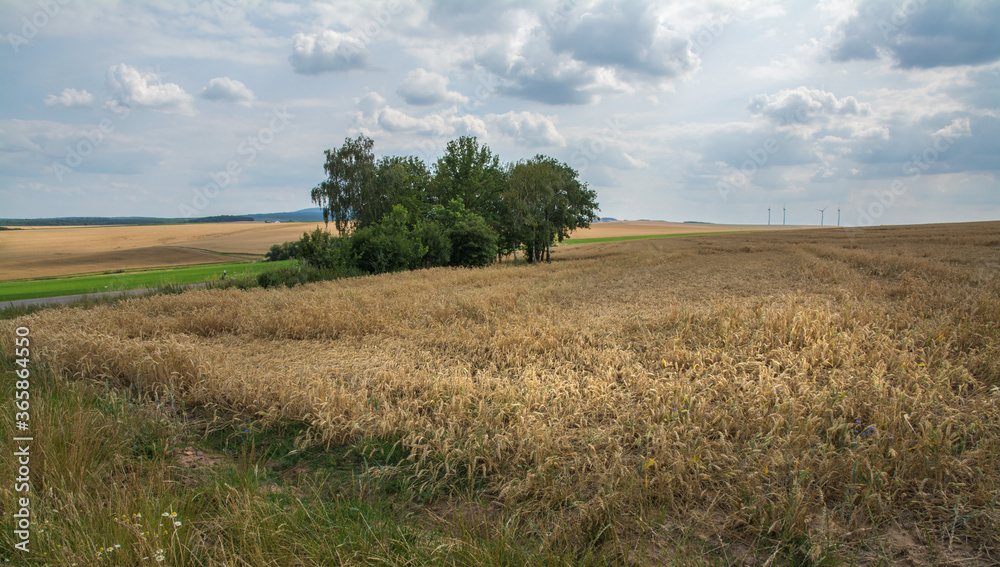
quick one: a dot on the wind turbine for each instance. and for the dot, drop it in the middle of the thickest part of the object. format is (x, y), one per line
(821, 213)
(838, 216)
(769, 216)
(782, 215)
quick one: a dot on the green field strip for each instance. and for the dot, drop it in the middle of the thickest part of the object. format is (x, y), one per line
(55, 287)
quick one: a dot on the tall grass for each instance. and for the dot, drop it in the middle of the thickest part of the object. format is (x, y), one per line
(805, 396)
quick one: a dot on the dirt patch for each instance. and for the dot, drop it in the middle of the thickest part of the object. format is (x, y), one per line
(190, 458)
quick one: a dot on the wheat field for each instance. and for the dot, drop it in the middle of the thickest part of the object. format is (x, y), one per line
(40, 252)
(824, 390)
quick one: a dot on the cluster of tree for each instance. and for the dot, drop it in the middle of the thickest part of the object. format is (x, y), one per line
(445, 236)
(469, 204)
(396, 214)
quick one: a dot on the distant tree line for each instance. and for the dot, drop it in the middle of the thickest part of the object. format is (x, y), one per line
(92, 221)
(469, 209)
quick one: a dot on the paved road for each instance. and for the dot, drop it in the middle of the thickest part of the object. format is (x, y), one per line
(64, 299)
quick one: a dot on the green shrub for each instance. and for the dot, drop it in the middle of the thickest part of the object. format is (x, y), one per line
(473, 241)
(388, 246)
(435, 239)
(322, 250)
(283, 251)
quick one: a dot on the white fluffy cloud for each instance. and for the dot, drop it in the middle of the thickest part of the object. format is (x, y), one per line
(327, 51)
(226, 89)
(423, 88)
(70, 98)
(373, 112)
(528, 128)
(804, 105)
(133, 88)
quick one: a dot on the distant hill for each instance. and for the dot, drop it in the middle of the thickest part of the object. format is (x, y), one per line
(314, 214)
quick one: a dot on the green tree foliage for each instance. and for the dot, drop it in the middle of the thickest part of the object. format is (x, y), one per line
(473, 242)
(388, 246)
(469, 210)
(404, 181)
(321, 249)
(544, 202)
(434, 238)
(350, 192)
(471, 174)
(283, 251)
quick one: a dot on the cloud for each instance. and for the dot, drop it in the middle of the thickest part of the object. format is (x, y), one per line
(369, 105)
(595, 49)
(226, 89)
(374, 112)
(627, 37)
(423, 88)
(528, 128)
(71, 98)
(804, 106)
(327, 51)
(395, 121)
(142, 89)
(920, 34)
(528, 69)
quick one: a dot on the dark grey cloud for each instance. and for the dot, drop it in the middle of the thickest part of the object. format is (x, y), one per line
(530, 70)
(587, 52)
(625, 36)
(979, 89)
(922, 33)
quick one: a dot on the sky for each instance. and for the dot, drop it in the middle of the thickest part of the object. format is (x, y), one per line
(712, 111)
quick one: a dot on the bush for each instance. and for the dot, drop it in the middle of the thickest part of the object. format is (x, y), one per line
(473, 241)
(322, 250)
(303, 274)
(282, 276)
(283, 251)
(388, 246)
(435, 239)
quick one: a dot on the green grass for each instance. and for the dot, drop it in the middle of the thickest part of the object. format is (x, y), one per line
(108, 488)
(73, 285)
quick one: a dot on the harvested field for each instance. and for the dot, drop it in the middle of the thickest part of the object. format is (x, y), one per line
(829, 396)
(57, 251)
(40, 252)
(612, 229)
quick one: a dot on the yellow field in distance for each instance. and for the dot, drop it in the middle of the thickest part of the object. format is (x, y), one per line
(38, 252)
